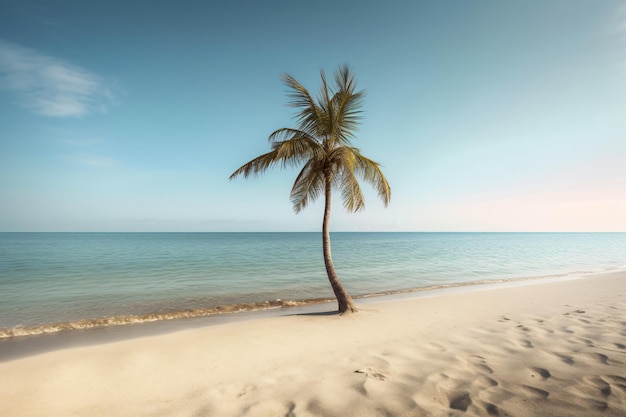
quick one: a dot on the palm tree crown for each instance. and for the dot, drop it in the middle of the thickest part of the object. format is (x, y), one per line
(322, 143)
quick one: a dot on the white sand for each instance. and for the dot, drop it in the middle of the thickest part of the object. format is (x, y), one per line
(549, 349)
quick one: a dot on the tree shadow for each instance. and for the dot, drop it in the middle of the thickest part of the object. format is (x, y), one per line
(317, 313)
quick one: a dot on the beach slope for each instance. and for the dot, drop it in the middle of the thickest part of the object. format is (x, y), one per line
(543, 349)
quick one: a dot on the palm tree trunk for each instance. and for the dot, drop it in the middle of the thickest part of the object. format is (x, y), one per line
(346, 305)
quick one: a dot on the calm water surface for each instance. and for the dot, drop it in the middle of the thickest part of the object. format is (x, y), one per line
(66, 277)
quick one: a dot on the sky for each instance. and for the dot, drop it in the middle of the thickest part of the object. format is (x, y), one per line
(485, 115)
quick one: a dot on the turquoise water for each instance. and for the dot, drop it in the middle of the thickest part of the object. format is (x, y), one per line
(68, 277)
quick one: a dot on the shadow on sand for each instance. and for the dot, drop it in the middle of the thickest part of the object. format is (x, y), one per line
(316, 313)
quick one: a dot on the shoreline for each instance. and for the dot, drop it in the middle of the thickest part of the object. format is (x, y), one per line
(248, 310)
(20, 346)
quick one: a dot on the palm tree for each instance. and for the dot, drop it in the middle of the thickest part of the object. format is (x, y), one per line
(321, 142)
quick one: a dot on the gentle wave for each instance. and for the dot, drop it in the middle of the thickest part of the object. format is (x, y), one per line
(147, 318)
(7, 333)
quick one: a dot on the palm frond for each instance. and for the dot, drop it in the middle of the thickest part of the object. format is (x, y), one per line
(308, 186)
(287, 133)
(344, 78)
(310, 113)
(257, 165)
(348, 160)
(351, 193)
(326, 105)
(348, 115)
(296, 150)
(343, 164)
(347, 104)
(370, 171)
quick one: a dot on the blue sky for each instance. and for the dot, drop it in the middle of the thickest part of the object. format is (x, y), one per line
(486, 115)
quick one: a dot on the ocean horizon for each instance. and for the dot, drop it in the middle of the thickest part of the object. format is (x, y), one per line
(53, 281)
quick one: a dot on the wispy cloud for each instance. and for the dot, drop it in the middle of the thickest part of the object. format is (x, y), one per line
(51, 86)
(81, 142)
(91, 160)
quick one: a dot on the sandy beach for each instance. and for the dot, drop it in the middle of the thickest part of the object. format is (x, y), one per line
(542, 349)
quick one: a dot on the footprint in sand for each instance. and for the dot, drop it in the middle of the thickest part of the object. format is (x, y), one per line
(586, 394)
(535, 392)
(618, 385)
(593, 357)
(526, 344)
(592, 404)
(460, 401)
(270, 407)
(450, 392)
(593, 391)
(616, 378)
(247, 389)
(481, 364)
(588, 342)
(564, 358)
(544, 373)
(371, 373)
(483, 382)
(492, 410)
(600, 357)
(599, 384)
(234, 391)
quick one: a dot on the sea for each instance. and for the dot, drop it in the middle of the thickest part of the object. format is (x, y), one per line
(53, 282)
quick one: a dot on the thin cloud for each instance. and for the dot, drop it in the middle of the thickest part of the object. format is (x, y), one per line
(96, 161)
(51, 86)
(81, 142)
